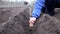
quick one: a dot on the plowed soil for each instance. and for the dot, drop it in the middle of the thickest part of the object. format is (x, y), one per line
(15, 21)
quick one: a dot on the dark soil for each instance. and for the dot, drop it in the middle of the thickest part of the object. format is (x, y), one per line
(15, 21)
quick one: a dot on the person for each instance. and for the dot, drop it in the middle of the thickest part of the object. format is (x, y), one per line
(48, 4)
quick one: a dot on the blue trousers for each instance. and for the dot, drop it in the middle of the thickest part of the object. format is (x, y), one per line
(50, 5)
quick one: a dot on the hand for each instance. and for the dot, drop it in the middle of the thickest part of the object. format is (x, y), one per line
(32, 21)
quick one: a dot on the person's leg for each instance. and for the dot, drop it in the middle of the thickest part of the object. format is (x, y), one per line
(43, 10)
(50, 5)
(58, 4)
(59, 1)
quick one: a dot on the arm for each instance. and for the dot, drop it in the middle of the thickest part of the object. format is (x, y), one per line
(36, 11)
(37, 8)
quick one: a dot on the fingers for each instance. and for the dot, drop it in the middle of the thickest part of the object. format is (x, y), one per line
(30, 24)
(32, 21)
